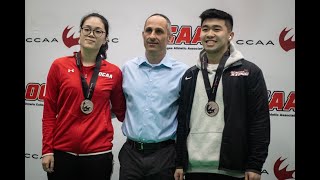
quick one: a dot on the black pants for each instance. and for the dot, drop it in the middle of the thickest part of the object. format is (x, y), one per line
(147, 164)
(209, 176)
(70, 167)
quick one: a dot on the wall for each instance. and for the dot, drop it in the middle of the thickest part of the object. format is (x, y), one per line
(262, 32)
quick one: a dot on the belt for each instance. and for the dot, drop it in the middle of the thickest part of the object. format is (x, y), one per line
(140, 146)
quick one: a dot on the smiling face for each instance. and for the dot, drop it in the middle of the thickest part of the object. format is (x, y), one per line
(215, 35)
(156, 35)
(88, 38)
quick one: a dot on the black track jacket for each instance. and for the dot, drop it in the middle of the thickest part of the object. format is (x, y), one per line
(246, 134)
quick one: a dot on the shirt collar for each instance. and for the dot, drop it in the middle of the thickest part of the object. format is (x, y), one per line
(166, 61)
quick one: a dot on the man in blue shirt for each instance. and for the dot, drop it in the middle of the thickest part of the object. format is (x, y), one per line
(151, 85)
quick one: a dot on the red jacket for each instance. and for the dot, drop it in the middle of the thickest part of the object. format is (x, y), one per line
(64, 126)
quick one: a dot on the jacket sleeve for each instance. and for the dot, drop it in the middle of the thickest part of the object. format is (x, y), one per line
(181, 147)
(117, 98)
(50, 109)
(184, 111)
(259, 121)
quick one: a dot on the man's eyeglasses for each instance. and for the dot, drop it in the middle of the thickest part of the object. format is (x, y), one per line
(97, 33)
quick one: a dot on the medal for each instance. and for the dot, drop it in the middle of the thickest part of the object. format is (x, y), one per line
(86, 106)
(212, 108)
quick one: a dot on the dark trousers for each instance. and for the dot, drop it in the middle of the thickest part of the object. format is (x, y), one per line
(70, 167)
(209, 176)
(147, 164)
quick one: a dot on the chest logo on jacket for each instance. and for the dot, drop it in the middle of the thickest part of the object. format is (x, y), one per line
(239, 73)
(103, 74)
(70, 70)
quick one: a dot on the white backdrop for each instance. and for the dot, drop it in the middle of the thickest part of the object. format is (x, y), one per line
(264, 32)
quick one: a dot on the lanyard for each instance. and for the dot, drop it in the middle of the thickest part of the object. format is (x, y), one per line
(88, 90)
(212, 91)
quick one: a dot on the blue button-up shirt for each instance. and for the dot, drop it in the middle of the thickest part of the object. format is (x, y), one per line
(152, 93)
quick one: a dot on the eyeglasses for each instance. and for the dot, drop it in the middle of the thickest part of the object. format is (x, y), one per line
(97, 33)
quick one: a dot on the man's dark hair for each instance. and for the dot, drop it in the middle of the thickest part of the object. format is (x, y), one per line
(215, 13)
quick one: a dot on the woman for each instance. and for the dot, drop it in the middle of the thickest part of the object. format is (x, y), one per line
(82, 91)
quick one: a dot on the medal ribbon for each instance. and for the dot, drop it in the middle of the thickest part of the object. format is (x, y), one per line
(88, 90)
(212, 91)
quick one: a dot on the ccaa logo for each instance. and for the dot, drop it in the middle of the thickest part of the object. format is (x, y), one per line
(69, 41)
(282, 174)
(41, 40)
(32, 156)
(287, 44)
(34, 94)
(185, 35)
(35, 91)
(279, 101)
(184, 38)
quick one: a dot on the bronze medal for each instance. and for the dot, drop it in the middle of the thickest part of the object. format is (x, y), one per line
(86, 106)
(212, 108)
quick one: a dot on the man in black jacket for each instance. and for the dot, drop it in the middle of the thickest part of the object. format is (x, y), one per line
(223, 119)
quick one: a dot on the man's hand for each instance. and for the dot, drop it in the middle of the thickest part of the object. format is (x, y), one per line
(252, 176)
(178, 175)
